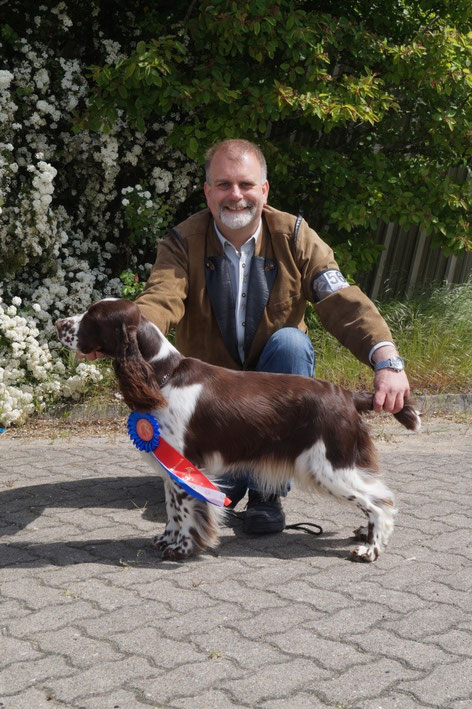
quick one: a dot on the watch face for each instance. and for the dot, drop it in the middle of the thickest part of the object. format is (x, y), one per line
(396, 363)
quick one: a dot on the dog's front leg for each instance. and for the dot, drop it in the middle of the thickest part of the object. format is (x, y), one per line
(192, 525)
(176, 508)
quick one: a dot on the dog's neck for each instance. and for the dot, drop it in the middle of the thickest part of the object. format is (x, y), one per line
(157, 351)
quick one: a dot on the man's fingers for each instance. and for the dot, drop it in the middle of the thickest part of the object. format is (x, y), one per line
(379, 398)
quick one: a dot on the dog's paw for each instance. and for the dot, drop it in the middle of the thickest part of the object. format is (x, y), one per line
(177, 552)
(360, 534)
(365, 553)
(173, 547)
(160, 542)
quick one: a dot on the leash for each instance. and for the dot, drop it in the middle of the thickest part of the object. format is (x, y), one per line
(303, 526)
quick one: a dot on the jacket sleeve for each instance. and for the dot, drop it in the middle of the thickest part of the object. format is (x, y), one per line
(163, 299)
(348, 314)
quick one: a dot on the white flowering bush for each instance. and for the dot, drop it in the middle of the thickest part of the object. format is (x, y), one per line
(30, 376)
(77, 208)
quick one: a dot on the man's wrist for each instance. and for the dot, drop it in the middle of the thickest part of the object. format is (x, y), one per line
(382, 351)
(395, 364)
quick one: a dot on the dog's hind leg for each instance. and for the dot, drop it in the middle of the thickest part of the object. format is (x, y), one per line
(380, 513)
(372, 496)
(363, 489)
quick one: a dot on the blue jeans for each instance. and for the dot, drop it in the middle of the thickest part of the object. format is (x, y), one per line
(288, 351)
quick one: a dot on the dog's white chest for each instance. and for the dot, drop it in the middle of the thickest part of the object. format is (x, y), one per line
(173, 419)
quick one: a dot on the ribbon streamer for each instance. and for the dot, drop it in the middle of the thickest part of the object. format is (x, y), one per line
(144, 432)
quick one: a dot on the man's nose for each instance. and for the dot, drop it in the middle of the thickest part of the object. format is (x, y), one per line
(235, 193)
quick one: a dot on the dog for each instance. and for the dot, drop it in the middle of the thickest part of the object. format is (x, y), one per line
(280, 427)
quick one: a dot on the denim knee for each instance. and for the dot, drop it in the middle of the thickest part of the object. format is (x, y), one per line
(288, 351)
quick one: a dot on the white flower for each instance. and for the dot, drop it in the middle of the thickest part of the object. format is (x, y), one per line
(6, 77)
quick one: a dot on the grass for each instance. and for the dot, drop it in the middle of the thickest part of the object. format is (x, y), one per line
(433, 332)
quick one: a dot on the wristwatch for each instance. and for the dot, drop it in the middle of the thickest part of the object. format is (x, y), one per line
(395, 363)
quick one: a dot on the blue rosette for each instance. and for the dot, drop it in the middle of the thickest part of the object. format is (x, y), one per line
(143, 429)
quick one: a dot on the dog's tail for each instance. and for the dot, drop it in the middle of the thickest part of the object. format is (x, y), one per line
(408, 416)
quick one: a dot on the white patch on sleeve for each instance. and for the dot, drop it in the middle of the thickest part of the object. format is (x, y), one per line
(327, 283)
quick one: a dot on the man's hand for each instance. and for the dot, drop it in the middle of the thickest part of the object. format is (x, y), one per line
(90, 356)
(391, 388)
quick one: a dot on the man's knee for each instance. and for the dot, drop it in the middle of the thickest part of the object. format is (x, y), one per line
(289, 337)
(289, 350)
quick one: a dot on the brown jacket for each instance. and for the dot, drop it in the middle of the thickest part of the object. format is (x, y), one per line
(189, 288)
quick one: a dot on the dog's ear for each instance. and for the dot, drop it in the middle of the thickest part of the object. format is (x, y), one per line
(135, 376)
(127, 347)
(138, 385)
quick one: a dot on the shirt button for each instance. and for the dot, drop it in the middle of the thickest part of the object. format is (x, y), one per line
(243, 295)
(243, 324)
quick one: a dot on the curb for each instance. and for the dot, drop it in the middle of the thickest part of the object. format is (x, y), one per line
(444, 403)
(428, 404)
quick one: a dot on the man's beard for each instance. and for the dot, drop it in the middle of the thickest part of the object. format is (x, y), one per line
(237, 219)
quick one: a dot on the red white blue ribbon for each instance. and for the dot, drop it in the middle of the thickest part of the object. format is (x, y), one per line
(144, 432)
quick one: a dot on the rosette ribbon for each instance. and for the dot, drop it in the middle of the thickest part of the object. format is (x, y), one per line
(144, 432)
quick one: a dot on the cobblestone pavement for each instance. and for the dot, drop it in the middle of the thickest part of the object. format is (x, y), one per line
(92, 618)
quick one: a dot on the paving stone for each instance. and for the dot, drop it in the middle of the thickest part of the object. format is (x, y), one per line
(21, 650)
(275, 681)
(426, 621)
(444, 684)
(363, 681)
(416, 655)
(213, 699)
(79, 650)
(55, 617)
(170, 685)
(401, 701)
(101, 678)
(227, 643)
(19, 676)
(161, 651)
(121, 699)
(457, 642)
(29, 698)
(330, 654)
(300, 700)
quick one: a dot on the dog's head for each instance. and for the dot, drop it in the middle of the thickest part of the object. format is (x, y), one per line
(110, 327)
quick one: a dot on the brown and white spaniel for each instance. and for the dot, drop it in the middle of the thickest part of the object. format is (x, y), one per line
(280, 427)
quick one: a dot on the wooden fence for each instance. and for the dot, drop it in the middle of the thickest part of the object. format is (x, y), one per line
(409, 262)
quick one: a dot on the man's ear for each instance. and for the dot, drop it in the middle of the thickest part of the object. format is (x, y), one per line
(206, 189)
(265, 191)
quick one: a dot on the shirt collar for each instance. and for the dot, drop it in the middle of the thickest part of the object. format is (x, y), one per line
(224, 241)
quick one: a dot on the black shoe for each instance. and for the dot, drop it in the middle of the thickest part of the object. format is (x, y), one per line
(264, 514)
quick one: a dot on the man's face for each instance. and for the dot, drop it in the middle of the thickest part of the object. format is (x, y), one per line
(235, 193)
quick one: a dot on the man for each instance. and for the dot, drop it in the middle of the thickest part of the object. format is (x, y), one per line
(234, 279)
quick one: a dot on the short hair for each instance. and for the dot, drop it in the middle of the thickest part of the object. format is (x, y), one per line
(236, 148)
